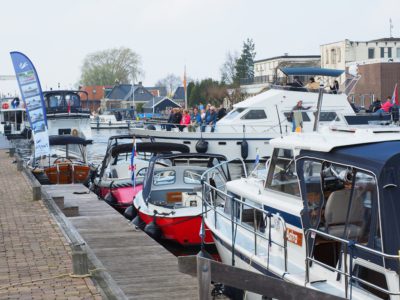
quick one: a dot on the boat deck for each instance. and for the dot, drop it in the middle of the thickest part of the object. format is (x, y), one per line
(140, 266)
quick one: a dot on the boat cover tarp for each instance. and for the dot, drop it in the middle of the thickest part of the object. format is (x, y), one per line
(383, 160)
(56, 140)
(150, 148)
(312, 71)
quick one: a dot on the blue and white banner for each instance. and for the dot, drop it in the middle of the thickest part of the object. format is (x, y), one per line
(31, 92)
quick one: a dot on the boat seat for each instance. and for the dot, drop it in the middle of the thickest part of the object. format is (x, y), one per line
(336, 213)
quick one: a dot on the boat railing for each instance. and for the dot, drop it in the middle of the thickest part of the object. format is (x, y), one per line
(210, 194)
(326, 89)
(349, 248)
(217, 128)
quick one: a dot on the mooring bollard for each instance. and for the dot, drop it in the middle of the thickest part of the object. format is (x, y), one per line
(36, 192)
(79, 261)
(20, 164)
(11, 152)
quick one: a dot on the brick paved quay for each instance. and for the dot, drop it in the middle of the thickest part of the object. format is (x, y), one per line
(35, 259)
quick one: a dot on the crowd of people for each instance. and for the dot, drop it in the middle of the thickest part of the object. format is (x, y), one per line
(198, 117)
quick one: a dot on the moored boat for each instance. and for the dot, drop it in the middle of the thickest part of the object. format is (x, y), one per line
(170, 202)
(67, 162)
(113, 181)
(326, 216)
(13, 118)
(247, 129)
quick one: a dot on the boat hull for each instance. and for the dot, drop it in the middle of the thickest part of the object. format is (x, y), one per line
(121, 198)
(184, 230)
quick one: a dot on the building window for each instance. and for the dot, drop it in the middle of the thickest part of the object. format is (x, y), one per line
(389, 52)
(339, 55)
(398, 52)
(333, 56)
(371, 53)
(382, 52)
(327, 57)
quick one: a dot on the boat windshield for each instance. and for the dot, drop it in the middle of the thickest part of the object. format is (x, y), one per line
(234, 113)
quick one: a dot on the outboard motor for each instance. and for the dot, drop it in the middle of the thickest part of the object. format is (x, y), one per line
(202, 146)
(130, 212)
(244, 149)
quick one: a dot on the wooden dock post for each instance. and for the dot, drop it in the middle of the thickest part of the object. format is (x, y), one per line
(79, 261)
(204, 278)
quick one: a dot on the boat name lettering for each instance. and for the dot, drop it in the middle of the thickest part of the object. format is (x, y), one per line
(294, 237)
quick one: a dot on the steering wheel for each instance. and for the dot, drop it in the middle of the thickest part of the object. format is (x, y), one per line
(62, 160)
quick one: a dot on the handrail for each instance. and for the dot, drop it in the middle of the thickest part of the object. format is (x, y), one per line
(347, 271)
(212, 205)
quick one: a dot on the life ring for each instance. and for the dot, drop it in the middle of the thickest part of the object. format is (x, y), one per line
(5, 106)
(74, 132)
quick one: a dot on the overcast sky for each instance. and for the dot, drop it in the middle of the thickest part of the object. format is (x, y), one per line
(57, 34)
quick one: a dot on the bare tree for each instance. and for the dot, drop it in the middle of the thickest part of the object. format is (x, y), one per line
(171, 82)
(228, 68)
(109, 66)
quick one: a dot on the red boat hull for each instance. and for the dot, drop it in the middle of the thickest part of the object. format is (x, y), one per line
(183, 230)
(122, 196)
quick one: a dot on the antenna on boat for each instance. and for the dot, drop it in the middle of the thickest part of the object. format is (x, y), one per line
(279, 120)
(319, 105)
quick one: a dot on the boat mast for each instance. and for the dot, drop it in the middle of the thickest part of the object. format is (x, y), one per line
(319, 105)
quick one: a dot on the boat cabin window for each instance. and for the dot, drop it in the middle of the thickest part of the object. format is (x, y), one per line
(255, 114)
(231, 202)
(192, 176)
(342, 201)
(234, 113)
(282, 175)
(327, 116)
(54, 101)
(164, 177)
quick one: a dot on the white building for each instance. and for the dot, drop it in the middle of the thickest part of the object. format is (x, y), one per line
(342, 54)
(266, 70)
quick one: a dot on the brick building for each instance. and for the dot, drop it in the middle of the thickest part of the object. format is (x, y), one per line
(377, 80)
(95, 94)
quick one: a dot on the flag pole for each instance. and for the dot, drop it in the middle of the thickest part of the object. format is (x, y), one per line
(185, 88)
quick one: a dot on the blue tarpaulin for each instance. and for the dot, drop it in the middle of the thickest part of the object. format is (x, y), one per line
(312, 71)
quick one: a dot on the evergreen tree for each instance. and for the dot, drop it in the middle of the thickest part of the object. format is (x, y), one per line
(245, 63)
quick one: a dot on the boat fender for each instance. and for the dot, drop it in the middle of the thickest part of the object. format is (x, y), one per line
(202, 146)
(244, 149)
(130, 213)
(153, 230)
(110, 199)
(138, 222)
(150, 127)
(74, 132)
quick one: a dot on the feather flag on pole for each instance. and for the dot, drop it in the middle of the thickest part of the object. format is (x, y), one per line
(395, 96)
(132, 167)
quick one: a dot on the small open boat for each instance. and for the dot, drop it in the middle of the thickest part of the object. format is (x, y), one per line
(113, 181)
(170, 202)
(67, 162)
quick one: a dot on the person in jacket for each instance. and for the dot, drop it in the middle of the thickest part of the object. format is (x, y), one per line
(312, 84)
(185, 120)
(297, 115)
(195, 120)
(211, 118)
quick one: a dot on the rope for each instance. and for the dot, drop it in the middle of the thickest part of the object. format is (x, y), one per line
(185, 220)
(52, 277)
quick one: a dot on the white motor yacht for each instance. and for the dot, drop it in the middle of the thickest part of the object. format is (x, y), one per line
(248, 128)
(13, 118)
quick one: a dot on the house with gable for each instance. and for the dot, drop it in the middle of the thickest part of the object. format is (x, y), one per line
(121, 96)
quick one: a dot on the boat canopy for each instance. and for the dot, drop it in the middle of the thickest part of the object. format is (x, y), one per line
(383, 160)
(179, 157)
(57, 140)
(149, 147)
(312, 71)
